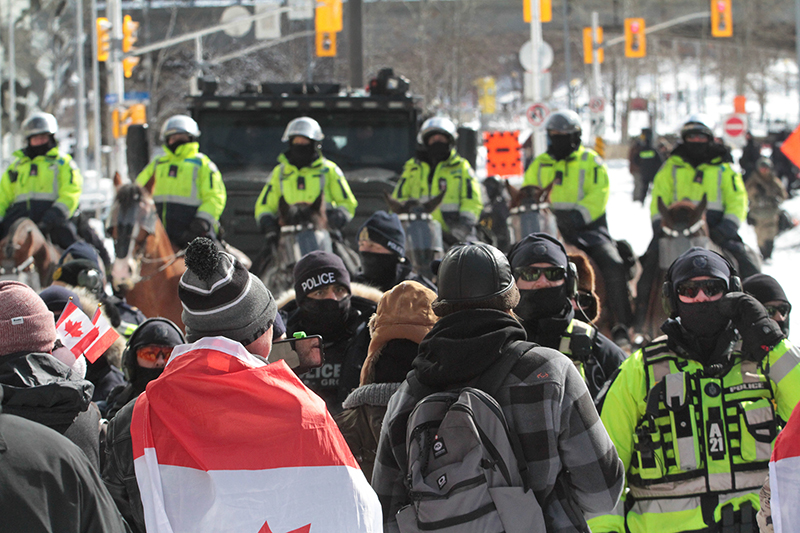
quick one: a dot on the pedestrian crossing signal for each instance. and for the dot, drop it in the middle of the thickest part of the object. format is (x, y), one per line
(721, 18)
(326, 44)
(635, 40)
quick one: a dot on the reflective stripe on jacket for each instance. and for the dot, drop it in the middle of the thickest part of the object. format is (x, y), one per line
(581, 182)
(692, 442)
(53, 177)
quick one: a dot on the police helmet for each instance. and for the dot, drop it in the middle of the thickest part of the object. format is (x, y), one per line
(564, 122)
(697, 123)
(159, 331)
(442, 125)
(39, 123)
(304, 127)
(180, 124)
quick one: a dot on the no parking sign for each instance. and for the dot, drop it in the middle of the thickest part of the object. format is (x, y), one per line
(537, 114)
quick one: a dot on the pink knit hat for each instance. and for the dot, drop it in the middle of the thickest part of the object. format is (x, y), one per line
(26, 325)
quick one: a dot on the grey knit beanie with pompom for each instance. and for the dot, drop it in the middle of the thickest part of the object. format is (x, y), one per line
(221, 298)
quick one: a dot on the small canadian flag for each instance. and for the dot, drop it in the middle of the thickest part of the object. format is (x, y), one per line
(84, 336)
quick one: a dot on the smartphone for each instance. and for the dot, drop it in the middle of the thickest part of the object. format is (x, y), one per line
(300, 354)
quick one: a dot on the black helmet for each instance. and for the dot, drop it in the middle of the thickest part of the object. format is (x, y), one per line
(159, 331)
(564, 122)
(475, 276)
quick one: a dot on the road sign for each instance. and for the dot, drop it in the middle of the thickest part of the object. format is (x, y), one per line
(111, 99)
(537, 114)
(546, 56)
(597, 105)
(734, 126)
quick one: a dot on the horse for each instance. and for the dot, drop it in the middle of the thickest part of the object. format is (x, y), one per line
(147, 268)
(424, 242)
(529, 212)
(26, 251)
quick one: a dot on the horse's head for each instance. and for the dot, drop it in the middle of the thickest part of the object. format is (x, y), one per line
(413, 205)
(132, 220)
(529, 211)
(529, 196)
(684, 218)
(303, 214)
(21, 242)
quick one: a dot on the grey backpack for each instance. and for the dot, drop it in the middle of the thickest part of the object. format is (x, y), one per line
(466, 472)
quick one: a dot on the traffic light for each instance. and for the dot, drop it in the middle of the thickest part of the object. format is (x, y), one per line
(721, 18)
(326, 44)
(123, 117)
(130, 33)
(588, 48)
(635, 40)
(103, 38)
(328, 16)
(545, 10)
(127, 65)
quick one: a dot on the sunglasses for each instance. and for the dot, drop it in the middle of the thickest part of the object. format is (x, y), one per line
(529, 273)
(151, 353)
(584, 299)
(783, 309)
(710, 287)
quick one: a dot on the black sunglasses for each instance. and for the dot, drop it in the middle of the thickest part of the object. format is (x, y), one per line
(530, 273)
(711, 287)
(783, 309)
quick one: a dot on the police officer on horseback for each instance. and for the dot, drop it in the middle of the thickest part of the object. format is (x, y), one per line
(438, 168)
(578, 199)
(188, 189)
(43, 183)
(301, 176)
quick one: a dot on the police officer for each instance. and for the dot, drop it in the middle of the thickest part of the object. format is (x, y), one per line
(699, 167)
(438, 168)
(302, 175)
(578, 198)
(645, 161)
(188, 189)
(693, 415)
(43, 183)
(547, 283)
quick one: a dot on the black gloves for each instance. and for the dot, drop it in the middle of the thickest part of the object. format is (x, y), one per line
(51, 219)
(337, 218)
(198, 227)
(726, 230)
(269, 227)
(570, 221)
(759, 333)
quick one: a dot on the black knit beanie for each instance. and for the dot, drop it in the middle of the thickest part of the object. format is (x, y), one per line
(316, 270)
(538, 248)
(764, 288)
(386, 230)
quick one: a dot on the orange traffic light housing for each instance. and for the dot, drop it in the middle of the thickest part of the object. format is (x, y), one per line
(588, 48)
(328, 16)
(123, 117)
(721, 18)
(103, 38)
(326, 44)
(545, 10)
(635, 39)
(130, 33)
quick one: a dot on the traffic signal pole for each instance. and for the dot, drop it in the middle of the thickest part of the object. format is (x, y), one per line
(117, 83)
(536, 71)
(797, 29)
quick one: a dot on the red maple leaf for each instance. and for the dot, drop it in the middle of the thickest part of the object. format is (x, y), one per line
(305, 529)
(73, 329)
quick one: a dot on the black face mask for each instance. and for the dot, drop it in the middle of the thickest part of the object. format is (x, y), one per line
(379, 269)
(301, 155)
(702, 318)
(438, 151)
(697, 153)
(784, 325)
(542, 303)
(325, 317)
(173, 146)
(42, 149)
(561, 146)
(145, 376)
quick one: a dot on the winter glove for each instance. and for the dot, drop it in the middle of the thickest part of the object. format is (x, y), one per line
(759, 333)
(51, 219)
(198, 227)
(571, 221)
(337, 218)
(269, 227)
(726, 230)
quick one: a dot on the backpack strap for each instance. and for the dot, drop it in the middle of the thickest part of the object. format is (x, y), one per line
(491, 381)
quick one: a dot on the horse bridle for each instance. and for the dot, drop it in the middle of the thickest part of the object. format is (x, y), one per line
(136, 248)
(687, 232)
(533, 207)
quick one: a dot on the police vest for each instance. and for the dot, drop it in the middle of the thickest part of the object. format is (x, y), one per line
(701, 434)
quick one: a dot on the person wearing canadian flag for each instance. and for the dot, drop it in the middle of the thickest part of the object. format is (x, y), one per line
(224, 441)
(36, 385)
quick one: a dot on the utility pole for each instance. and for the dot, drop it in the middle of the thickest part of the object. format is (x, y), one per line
(80, 97)
(355, 10)
(96, 124)
(797, 31)
(567, 55)
(12, 76)
(117, 82)
(538, 144)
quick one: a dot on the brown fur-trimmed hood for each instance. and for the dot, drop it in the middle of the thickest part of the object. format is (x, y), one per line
(586, 282)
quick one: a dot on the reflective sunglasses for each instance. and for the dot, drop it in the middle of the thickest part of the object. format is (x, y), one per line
(711, 287)
(151, 353)
(783, 309)
(529, 273)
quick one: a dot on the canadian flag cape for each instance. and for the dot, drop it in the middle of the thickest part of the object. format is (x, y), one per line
(784, 476)
(224, 442)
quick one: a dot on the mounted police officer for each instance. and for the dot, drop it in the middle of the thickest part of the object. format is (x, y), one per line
(188, 190)
(547, 282)
(438, 168)
(578, 199)
(43, 183)
(302, 175)
(694, 414)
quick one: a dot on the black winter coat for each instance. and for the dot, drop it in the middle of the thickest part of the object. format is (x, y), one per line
(119, 475)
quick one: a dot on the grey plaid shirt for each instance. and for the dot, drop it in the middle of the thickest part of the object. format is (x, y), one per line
(573, 467)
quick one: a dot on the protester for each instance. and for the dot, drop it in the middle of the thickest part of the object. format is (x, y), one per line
(326, 303)
(766, 194)
(237, 444)
(382, 248)
(56, 298)
(547, 282)
(769, 292)
(403, 318)
(36, 385)
(572, 466)
(47, 483)
(693, 414)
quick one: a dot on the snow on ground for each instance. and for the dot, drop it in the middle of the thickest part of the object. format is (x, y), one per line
(631, 221)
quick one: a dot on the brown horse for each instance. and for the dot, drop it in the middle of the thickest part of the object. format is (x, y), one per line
(25, 250)
(147, 268)
(529, 212)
